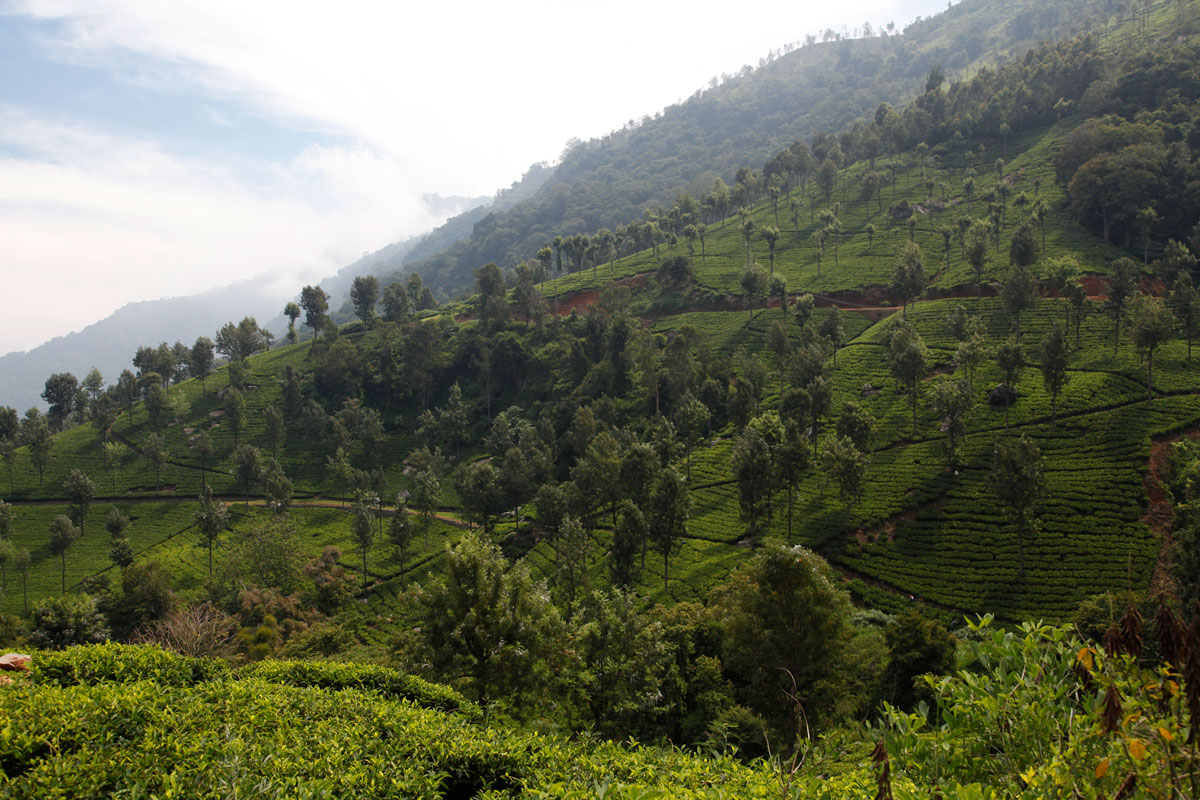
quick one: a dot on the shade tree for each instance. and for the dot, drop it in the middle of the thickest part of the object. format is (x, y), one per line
(1054, 366)
(315, 303)
(908, 361)
(212, 518)
(750, 462)
(1018, 293)
(629, 536)
(908, 275)
(670, 507)
(80, 492)
(400, 528)
(154, 450)
(62, 534)
(755, 284)
(846, 466)
(951, 401)
(1151, 325)
(1010, 358)
(60, 393)
(364, 296)
(292, 311)
(363, 529)
(35, 434)
(1121, 289)
(1018, 481)
(1184, 302)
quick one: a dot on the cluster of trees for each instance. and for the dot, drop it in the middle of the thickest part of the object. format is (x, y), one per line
(261, 595)
(719, 673)
(73, 402)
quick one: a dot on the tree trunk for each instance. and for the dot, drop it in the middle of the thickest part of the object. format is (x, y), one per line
(63, 555)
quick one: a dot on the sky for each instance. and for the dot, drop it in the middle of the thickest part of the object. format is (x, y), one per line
(152, 149)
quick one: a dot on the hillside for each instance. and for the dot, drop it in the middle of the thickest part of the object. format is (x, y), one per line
(913, 517)
(738, 486)
(747, 117)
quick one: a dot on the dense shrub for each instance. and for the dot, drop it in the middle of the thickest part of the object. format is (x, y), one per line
(116, 663)
(388, 682)
(68, 620)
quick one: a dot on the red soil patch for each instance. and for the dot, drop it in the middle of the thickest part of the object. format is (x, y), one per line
(575, 302)
(1096, 286)
(873, 302)
(579, 301)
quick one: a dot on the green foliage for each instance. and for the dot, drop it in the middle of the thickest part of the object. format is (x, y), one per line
(916, 646)
(59, 622)
(369, 677)
(787, 633)
(287, 741)
(486, 620)
(1056, 731)
(96, 664)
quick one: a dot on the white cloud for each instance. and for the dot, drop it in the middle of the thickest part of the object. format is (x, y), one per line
(90, 221)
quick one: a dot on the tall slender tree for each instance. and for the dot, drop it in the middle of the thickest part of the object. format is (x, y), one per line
(771, 235)
(1121, 288)
(1151, 324)
(62, 535)
(80, 492)
(1018, 480)
(671, 506)
(364, 530)
(1054, 367)
(211, 519)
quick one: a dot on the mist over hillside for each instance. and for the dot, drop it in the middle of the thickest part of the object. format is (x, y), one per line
(110, 343)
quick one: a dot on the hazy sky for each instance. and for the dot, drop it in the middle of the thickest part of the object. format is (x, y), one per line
(151, 148)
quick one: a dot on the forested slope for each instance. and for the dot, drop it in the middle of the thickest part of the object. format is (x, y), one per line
(735, 477)
(747, 117)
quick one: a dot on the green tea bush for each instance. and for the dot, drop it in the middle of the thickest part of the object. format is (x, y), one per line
(251, 738)
(117, 663)
(334, 675)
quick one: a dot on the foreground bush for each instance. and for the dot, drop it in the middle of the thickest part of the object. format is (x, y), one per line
(115, 663)
(250, 738)
(333, 675)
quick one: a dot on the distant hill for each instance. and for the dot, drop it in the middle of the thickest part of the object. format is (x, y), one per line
(109, 344)
(743, 120)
